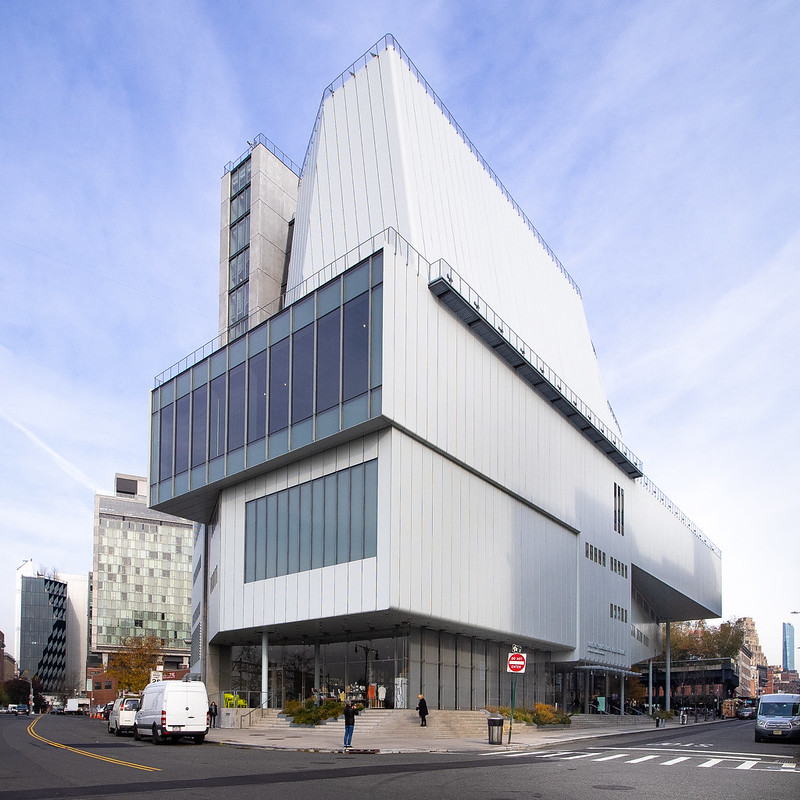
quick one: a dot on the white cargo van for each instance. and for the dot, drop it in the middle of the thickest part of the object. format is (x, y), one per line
(172, 709)
(778, 717)
(123, 714)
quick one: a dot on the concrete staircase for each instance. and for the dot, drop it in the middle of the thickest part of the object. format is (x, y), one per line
(385, 722)
(590, 721)
(457, 724)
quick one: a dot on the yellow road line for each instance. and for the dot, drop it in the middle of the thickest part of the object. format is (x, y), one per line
(75, 750)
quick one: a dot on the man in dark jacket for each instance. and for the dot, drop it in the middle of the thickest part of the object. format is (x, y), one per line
(422, 708)
(350, 714)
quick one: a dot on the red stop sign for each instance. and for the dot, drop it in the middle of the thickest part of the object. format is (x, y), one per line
(516, 662)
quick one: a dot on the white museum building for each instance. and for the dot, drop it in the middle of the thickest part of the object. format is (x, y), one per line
(398, 449)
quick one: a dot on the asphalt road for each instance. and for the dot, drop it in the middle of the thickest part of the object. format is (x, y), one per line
(58, 756)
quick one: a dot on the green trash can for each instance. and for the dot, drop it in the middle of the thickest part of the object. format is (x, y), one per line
(495, 729)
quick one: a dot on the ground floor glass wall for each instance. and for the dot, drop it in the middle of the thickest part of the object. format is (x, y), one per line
(452, 671)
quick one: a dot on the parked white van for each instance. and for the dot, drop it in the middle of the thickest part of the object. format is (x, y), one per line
(172, 709)
(123, 714)
(778, 717)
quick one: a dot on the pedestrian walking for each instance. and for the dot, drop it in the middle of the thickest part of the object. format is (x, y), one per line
(350, 714)
(212, 714)
(422, 709)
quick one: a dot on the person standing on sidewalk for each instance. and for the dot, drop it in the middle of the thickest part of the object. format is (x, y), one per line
(422, 708)
(350, 714)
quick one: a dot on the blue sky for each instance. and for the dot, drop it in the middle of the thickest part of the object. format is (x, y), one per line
(654, 145)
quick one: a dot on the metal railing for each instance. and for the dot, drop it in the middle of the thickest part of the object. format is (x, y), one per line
(441, 269)
(678, 514)
(271, 146)
(263, 313)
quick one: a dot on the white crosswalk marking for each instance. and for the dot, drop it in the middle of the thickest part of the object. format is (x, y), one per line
(695, 759)
(580, 755)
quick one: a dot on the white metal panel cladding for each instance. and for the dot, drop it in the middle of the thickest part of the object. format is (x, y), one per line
(500, 429)
(508, 568)
(327, 591)
(432, 189)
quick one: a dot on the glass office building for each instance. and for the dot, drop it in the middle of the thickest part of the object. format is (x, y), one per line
(142, 574)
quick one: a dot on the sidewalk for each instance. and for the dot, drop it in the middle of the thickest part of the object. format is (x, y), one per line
(324, 739)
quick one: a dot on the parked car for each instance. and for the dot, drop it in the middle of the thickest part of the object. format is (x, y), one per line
(106, 710)
(122, 716)
(172, 709)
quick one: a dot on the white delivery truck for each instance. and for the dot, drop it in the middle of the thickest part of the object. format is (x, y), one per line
(172, 709)
(77, 705)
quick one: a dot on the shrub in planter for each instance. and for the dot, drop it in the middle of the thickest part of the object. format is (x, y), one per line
(542, 714)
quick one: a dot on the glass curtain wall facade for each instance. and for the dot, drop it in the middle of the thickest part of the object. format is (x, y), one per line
(310, 371)
(788, 646)
(390, 669)
(326, 521)
(141, 581)
(43, 639)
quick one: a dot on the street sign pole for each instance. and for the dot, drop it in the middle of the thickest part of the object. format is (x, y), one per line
(513, 694)
(516, 664)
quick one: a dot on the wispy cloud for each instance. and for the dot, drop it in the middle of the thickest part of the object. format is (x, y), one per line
(63, 464)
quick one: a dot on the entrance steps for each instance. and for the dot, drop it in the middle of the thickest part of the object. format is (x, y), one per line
(386, 722)
(589, 721)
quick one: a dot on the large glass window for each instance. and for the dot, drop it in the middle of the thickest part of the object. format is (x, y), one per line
(315, 369)
(303, 374)
(239, 268)
(240, 177)
(261, 544)
(240, 235)
(199, 426)
(326, 521)
(182, 435)
(167, 431)
(257, 398)
(279, 386)
(272, 541)
(240, 204)
(355, 352)
(217, 418)
(238, 304)
(236, 408)
(328, 360)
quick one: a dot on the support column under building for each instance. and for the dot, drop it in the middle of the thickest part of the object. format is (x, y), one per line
(317, 693)
(264, 670)
(667, 671)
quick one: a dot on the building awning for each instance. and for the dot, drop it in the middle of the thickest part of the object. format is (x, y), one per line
(612, 670)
